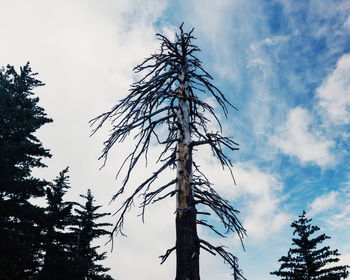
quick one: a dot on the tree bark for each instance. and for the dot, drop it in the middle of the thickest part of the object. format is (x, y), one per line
(187, 242)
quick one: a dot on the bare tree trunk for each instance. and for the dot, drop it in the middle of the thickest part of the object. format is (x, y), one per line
(187, 242)
(150, 105)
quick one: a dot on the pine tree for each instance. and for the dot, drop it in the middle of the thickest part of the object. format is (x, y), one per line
(305, 260)
(87, 229)
(56, 237)
(171, 97)
(20, 151)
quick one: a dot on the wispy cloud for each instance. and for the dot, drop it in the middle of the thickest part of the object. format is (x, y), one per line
(271, 41)
(334, 93)
(347, 23)
(340, 217)
(333, 207)
(298, 137)
(323, 203)
(267, 58)
(258, 195)
(263, 194)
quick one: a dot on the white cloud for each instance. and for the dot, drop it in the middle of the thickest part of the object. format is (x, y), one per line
(219, 31)
(342, 218)
(344, 260)
(271, 41)
(334, 207)
(323, 203)
(144, 244)
(263, 213)
(334, 93)
(85, 51)
(347, 23)
(258, 193)
(256, 61)
(298, 138)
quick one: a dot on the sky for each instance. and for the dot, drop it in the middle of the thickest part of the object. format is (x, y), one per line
(284, 64)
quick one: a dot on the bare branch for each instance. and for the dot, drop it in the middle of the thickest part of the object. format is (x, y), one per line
(152, 113)
(225, 255)
(167, 254)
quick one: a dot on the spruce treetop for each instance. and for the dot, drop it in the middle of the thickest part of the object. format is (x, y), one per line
(20, 151)
(305, 260)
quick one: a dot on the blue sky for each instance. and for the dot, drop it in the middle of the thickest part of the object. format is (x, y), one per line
(285, 65)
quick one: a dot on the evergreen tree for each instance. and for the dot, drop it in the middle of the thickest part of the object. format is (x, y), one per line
(20, 151)
(305, 260)
(87, 230)
(56, 239)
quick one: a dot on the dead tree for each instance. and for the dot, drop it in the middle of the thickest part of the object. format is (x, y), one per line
(172, 93)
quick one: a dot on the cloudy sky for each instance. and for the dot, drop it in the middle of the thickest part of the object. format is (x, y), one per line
(285, 64)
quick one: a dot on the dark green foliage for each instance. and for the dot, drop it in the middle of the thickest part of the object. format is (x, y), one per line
(305, 260)
(87, 229)
(39, 243)
(69, 253)
(56, 239)
(20, 151)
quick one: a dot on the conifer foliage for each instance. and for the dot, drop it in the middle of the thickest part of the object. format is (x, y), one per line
(86, 230)
(306, 260)
(56, 237)
(38, 243)
(68, 237)
(20, 151)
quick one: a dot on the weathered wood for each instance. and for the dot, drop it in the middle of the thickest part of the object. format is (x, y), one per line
(187, 241)
(184, 174)
(171, 95)
(187, 246)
